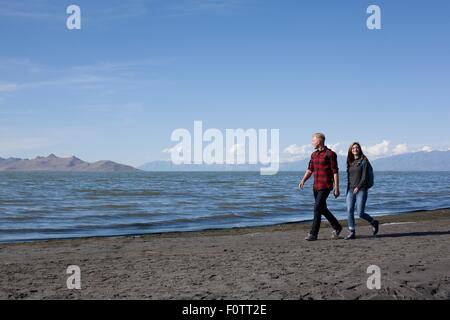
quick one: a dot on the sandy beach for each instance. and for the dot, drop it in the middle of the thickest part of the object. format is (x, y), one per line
(412, 251)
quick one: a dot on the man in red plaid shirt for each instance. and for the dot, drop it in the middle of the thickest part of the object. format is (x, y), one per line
(324, 165)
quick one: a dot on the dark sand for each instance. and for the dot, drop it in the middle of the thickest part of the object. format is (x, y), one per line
(250, 263)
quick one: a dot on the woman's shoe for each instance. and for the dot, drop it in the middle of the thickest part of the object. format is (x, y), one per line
(351, 236)
(375, 226)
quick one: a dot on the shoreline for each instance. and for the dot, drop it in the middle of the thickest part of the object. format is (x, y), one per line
(267, 262)
(388, 216)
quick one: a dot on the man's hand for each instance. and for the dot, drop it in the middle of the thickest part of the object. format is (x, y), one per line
(355, 191)
(301, 185)
(336, 193)
(307, 175)
(336, 185)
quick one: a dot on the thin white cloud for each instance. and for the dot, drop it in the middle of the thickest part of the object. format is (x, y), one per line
(126, 10)
(185, 8)
(294, 149)
(335, 147)
(17, 65)
(81, 80)
(174, 149)
(296, 152)
(45, 11)
(8, 10)
(383, 149)
(377, 150)
(426, 149)
(9, 87)
(84, 76)
(213, 5)
(400, 149)
(122, 67)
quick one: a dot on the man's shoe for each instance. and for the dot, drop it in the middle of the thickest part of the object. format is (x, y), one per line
(375, 226)
(336, 233)
(351, 236)
(311, 237)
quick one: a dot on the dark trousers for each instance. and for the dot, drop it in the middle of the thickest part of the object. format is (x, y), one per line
(320, 208)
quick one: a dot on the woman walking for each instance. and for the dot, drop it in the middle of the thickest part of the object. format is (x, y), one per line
(357, 189)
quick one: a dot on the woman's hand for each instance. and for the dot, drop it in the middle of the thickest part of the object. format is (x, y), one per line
(336, 193)
(355, 191)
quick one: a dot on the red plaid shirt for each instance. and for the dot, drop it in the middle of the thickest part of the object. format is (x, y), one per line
(323, 168)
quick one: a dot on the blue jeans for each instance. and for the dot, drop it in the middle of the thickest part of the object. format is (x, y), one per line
(359, 200)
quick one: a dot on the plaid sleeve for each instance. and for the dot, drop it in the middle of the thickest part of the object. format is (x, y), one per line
(334, 163)
(311, 164)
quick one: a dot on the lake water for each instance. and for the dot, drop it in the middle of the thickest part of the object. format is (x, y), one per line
(45, 205)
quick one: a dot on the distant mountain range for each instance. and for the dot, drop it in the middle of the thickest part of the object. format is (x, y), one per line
(417, 161)
(54, 163)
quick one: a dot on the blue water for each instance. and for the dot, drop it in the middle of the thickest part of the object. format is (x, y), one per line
(64, 205)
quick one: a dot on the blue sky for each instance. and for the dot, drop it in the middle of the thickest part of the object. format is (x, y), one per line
(117, 88)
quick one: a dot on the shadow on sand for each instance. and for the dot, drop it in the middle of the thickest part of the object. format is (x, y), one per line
(409, 234)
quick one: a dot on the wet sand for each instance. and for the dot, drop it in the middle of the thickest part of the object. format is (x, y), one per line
(412, 251)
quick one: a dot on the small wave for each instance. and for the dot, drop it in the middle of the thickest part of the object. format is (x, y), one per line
(236, 205)
(286, 209)
(217, 217)
(119, 192)
(256, 214)
(219, 182)
(118, 226)
(120, 216)
(18, 202)
(274, 197)
(18, 218)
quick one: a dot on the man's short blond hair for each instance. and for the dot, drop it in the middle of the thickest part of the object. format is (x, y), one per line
(320, 136)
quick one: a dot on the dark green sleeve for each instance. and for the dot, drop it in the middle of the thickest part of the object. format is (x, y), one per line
(362, 182)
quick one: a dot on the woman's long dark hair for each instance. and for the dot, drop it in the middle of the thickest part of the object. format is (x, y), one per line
(351, 157)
